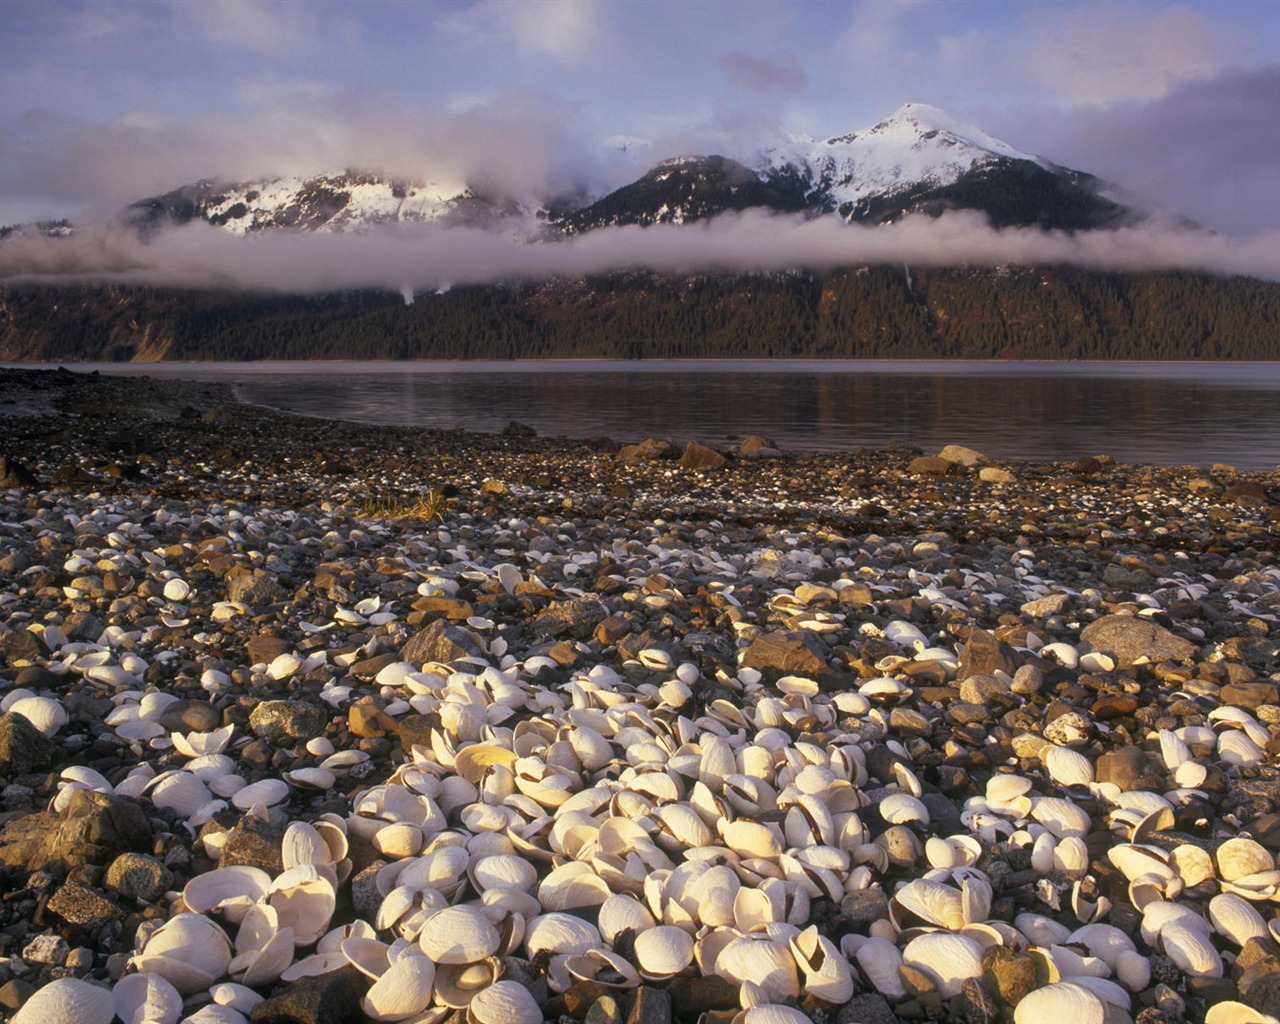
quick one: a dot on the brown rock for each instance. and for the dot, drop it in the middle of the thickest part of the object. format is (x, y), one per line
(440, 642)
(983, 654)
(1249, 695)
(367, 720)
(1128, 768)
(1128, 638)
(930, 465)
(792, 653)
(699, 458)
(1114, 705)
(263, 649)
(415, 730)
(1010, 973)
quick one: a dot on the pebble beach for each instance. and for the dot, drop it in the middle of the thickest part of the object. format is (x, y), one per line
(307, 721)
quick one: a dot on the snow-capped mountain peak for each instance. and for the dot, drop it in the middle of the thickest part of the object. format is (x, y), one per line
(918, 145)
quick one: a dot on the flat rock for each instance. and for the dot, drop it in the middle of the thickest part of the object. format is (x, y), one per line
(792, 652)
(1130, 639)
(963, 456)
(983, 654)
(92, 829)
(82, 906)
(439, 641)
(254, 587)
(287, 721)
(699, 458)
(332, 998)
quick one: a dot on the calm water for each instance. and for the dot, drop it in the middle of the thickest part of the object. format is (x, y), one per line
(1168, 413)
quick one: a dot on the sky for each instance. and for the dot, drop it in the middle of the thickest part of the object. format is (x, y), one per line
(107, 102)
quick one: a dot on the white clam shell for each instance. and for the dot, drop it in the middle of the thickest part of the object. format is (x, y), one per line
(189, 950)
(1235, 917)
(1067, 767)
(66, 1001)
(143, 998)
(1062, 1001)
(505, 1002)
(45, 713)
(231, 890)
(403, 991)
(459, 935)
(663, 952)
(950, 959)
(267, 792)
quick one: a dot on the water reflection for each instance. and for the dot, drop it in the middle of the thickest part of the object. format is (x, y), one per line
(1163, 413)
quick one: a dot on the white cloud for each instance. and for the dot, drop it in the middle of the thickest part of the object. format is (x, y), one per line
(1100, 54)
(262, 26)
(568, 31)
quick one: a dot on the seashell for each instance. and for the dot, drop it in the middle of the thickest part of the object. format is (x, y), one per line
(305, 901)
(1061, 1001)
(189, 951)
(879, 959)
(1104, 941)
(1067, 767)
(826, 972)
(176, 590)
(949, 959)
(1135, 861)
(505, 1002)
(1191, 950)
(1236, 748)
(403, 991)
(503, 871)
(231, 890)
(398, 840)
(620, 913)
(1231, 1012)
(267, 792)
(770, 1013)
(142, 998)
(930, 901)
(1133, 971)
(560, 933)
(1061, 817)
(663, 952)
(903, 809)
(182, 792)
(459, 935)
(1242, 856)
(751, 839)
(45, 713)
(314, 778)
(603, 967)
(66, 1001)
(1234, 917)
(761, 960)
(474, 760)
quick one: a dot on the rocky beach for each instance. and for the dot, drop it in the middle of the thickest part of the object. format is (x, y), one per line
(307, 721)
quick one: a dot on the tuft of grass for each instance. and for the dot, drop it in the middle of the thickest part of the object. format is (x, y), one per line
(427, 508)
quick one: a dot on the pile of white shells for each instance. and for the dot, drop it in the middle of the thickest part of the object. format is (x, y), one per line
(617, 839)
(626, 833)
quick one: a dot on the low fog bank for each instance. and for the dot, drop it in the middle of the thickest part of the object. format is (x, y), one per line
(420, 258)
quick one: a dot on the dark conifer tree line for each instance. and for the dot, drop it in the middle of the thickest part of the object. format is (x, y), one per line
(860, 313)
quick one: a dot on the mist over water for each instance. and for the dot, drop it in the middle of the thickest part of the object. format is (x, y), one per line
(1164, 413)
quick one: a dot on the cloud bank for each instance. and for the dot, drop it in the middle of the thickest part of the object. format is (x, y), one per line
(429, 258)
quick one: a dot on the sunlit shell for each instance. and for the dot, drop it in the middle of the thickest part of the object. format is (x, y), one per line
(603, 967)
(143, 998)
(1236, 918)
(230, 890)
(950, 959)
(1191, 950)
(403, 991)
(459, 935)
(1242, 856)
(506, 1002)
(560, 933)
(189, 951)
(1067, 767)
(663, 951)
(1063, 1001)
(45, 713)
(826, 973)
(66, 1001)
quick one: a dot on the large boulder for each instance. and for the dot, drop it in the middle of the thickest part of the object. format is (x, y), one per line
(1130, 640)
(93, 829)
(790, 652)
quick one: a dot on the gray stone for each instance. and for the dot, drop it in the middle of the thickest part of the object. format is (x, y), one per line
(255, 843)
(1043, 607)
(138, 876)
(1130, 639)
(190, 715)
(332, 998)
(82, 906)
(576, 618)
(46, 949)
(287, 721)
(23, 748)
(983, 654)
(254, 587)
(980, 689)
